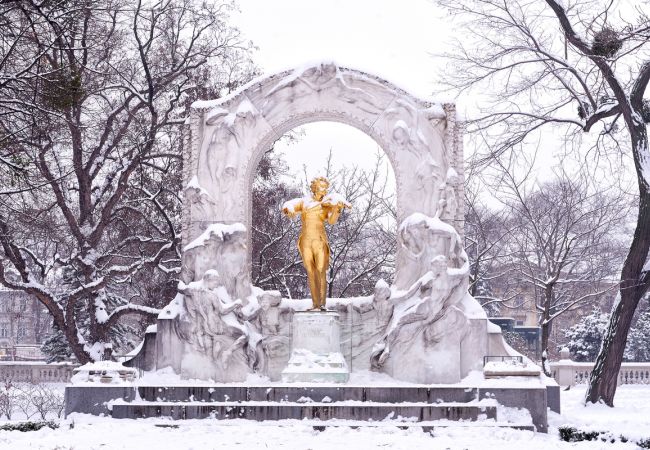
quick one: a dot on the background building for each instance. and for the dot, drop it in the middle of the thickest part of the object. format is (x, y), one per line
(24, 324)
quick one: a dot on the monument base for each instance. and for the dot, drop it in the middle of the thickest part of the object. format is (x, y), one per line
(305, 366)
(316, 349)
(494, 404)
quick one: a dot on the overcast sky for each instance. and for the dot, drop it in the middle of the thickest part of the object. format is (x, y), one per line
(391, 39)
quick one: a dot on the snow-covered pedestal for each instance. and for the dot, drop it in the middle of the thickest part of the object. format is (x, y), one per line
(316, 349)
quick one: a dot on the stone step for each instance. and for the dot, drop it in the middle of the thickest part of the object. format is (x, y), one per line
(426, 427)
(293, 393)
(317, 425)
(361, 411)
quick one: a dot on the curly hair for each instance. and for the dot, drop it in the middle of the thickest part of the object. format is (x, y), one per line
(319, 180)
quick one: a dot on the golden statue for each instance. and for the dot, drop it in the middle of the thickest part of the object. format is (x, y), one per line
(312, 243)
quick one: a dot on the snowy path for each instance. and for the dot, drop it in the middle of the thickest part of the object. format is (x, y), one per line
(632, 416)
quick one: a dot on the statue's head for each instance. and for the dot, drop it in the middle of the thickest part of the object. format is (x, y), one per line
(439, 264)
(382, 291)
(211, 279)
(319, 187)
(270, 299)
(401, 133)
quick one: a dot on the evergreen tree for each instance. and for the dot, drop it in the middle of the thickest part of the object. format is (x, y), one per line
(55, 347)
(638, 341)
(584, 338)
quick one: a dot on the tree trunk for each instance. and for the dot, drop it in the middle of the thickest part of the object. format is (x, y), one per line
(330, 283)
(77, 348)
(546, 326)
(604, 376)
(473, 279)
(545, 334)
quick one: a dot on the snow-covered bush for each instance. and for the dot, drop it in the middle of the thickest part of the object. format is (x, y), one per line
(44, 400)
(638, 341)
(29, 426)
(23, 401)
(584, 337)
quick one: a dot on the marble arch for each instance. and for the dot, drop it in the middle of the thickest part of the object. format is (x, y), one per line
(425, 328)
(225, 140)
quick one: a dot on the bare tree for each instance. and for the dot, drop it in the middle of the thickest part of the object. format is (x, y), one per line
(23, 400)
(486, 234)
(276, 263)
(581, 66)
(43, 399)
(564, 241)
(363, 242)
(8, 398)
(91, 96)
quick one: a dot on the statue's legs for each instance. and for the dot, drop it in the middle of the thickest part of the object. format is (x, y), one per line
(321, 261)
(304, 245)
(315, 257)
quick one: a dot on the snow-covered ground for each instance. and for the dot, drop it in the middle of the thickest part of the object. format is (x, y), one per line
(631, 417)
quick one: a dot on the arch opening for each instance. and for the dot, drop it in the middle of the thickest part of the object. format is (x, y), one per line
(362, 243)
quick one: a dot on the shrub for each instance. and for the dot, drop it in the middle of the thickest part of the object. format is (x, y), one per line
(29, 426)
(573, 434)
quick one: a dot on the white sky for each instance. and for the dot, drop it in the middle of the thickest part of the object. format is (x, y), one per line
(348, 145)
(391, 39)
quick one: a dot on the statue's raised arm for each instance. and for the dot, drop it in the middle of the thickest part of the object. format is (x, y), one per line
(293, 207)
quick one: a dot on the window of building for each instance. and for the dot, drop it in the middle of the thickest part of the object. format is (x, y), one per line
(21, 331)
(20, 305)
(4, 330)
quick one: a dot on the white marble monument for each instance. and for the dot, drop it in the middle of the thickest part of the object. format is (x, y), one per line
(425, 328)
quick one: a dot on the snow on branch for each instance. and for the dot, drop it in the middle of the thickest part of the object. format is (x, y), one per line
(131, 308)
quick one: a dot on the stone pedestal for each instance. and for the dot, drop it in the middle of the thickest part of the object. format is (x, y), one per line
(316, 349)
